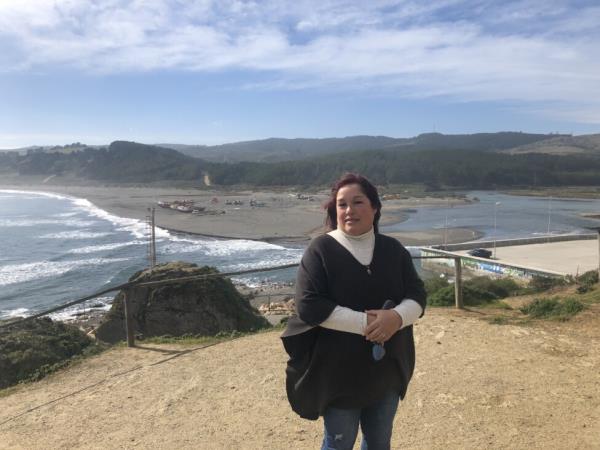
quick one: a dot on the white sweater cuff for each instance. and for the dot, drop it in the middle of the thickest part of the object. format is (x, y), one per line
(351, 321)
(409, 310)
(346, 319)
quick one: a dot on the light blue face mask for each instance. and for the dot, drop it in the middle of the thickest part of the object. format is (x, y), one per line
(378, 350)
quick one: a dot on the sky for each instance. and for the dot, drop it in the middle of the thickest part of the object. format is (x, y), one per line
(217, 71)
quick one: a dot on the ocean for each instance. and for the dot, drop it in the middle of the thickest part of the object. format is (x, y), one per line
(55, 249)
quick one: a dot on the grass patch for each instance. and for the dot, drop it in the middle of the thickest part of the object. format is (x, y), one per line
(553, 308)
(503, 305)
(590, 296)
(188, 339)
(587, 281)
(498, 320)
(476, 291)
(48, 369)
(542, 284)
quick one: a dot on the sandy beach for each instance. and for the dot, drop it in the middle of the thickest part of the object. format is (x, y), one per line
(283, 216)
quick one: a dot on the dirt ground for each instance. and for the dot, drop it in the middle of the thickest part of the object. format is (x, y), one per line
(476, 385)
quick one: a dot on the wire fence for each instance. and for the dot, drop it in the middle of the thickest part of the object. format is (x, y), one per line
(134, 284)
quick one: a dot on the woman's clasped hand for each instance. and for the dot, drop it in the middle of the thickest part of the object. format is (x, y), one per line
(382, 324)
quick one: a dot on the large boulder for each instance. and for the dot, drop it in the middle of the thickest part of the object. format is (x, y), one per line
(200, 307)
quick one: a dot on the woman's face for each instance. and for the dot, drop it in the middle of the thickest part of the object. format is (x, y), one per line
(354, 211)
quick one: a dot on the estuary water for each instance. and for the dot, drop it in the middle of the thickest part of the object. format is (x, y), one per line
(54, 249)
(501, 216)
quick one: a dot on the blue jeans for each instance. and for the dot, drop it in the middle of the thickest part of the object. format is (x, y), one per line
(376, 421)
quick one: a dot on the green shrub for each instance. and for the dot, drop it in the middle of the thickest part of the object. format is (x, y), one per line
(541, 284)
(442, 297)
(434, 284)
(476, 291)
(32, 349)
(588, 278)
(552, 307)
(500, 287)
(582, 289)
(586, 281)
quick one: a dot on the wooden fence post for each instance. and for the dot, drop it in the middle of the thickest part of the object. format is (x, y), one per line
(598, 254)
(458, 291)
(128, 319)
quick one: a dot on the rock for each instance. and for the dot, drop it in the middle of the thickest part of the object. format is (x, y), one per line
(199, 307)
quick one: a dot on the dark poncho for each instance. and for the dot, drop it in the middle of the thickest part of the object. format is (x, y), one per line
(335, 368)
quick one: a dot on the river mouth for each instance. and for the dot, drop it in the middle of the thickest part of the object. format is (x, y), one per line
(501, 216)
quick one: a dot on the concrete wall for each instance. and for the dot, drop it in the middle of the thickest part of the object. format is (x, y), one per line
(483, 265)
(510, 242)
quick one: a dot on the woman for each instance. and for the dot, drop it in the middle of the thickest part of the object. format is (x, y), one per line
(350, 359)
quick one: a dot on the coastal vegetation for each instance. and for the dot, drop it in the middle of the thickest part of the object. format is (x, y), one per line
(553, 307)
(33, 349)
(542, 298)
(476, 291)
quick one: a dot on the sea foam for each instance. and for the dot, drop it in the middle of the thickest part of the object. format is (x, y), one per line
(20, 273)
(104, 247)
(136, 227)
(76, 234)
(217, 247)
(73, 312)
(10, 313)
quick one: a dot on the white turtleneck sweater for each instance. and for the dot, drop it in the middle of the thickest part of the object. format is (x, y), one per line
(349, 320)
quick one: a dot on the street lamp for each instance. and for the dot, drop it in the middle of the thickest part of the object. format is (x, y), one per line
(495, 222)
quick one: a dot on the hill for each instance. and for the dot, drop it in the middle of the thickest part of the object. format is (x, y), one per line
(121, 162)
(278, 149)
(561, 145)
(479, 161)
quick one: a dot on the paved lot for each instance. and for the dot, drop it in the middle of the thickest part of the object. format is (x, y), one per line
(570, 257)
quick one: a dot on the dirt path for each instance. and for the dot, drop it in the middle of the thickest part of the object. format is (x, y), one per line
(476, 386)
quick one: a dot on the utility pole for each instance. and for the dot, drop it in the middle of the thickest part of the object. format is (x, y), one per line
(152, 242)
(446, 225)
(549, 215)
(495, 227)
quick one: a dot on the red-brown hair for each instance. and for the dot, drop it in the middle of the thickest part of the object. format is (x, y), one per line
(366, 187)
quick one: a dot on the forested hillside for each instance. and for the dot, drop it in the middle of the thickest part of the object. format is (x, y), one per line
(129, 162)
(275, 150)
(120, 162)
(436, 168)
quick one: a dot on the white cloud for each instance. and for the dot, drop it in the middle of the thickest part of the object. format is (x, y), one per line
(465, 50)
